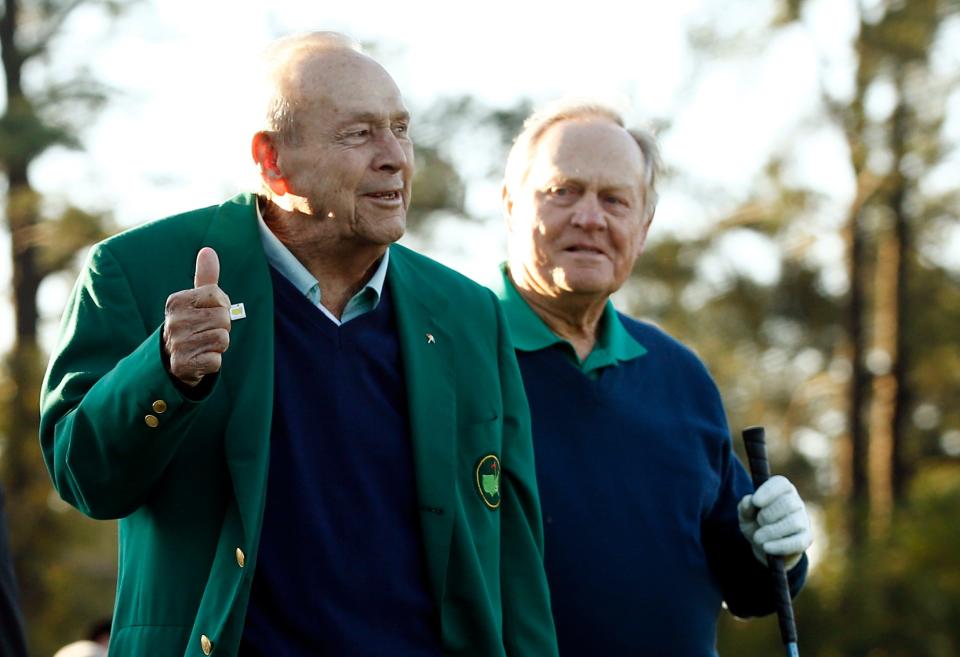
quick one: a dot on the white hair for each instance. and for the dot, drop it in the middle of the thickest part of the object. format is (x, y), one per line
(281, 109)
(524, 146)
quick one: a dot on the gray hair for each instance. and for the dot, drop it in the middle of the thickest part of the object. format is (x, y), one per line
(281, 107)
(518, 162)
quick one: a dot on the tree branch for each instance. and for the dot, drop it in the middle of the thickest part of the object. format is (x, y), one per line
(53, 26)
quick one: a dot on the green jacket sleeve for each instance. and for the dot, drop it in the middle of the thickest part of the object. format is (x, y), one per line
(111, 418)
(528, 629)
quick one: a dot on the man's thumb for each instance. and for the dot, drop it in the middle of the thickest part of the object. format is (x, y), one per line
(208, 268)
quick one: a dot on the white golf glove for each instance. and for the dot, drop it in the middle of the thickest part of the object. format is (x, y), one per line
(774, 520)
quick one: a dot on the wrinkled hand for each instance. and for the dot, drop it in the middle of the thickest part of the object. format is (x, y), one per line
(775, 522)
(196, 329)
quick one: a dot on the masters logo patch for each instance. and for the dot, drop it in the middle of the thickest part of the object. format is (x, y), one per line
(488, 480)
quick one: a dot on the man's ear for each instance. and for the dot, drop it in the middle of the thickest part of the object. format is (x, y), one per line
(264, 153)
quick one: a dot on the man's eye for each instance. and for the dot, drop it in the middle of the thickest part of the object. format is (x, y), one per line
(559, 191)
(401, 129)
(615, 200)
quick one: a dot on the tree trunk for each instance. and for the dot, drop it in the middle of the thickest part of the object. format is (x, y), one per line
(859, 443)
(34, 528)
(885, 384)
(899, 466)
(24, 472)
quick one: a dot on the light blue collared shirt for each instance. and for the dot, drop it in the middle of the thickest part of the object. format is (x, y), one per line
(281, 259)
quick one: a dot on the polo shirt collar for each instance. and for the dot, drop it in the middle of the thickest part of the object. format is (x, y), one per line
(530, 333)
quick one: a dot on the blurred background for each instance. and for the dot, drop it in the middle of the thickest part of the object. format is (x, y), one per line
(807, 244)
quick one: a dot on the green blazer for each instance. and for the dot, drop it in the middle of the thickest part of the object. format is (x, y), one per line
(188, 478)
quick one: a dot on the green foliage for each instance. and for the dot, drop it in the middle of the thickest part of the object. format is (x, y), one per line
(471, 136)
(60, 238)
(451, 136)
(437, 187)
(24, 136)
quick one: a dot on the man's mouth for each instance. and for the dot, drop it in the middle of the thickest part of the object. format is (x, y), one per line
(583, 248)
(385, 196)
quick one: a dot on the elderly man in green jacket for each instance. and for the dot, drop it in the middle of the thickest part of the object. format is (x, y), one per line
(319, 443)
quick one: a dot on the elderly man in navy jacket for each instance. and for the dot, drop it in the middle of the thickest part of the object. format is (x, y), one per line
(650, 520)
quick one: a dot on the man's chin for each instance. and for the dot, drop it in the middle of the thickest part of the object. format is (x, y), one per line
(390, 231)
(396, 228)
(382, 229)
(584, 282)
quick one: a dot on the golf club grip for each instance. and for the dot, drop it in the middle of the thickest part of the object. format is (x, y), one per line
(753, 439)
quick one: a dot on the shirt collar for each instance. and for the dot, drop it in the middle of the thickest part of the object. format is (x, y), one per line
(530, 333)
(281, 259)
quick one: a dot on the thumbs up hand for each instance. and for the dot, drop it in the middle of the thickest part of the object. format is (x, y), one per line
(196, 328)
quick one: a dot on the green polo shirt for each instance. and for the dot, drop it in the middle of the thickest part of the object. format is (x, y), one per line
(530, 333)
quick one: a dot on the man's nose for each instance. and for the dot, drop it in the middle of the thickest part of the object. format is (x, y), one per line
(588, 213)
(391, 155)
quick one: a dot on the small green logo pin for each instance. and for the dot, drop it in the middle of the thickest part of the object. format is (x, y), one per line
(488, 480)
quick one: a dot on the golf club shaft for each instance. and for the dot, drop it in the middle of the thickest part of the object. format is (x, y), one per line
(753, 438)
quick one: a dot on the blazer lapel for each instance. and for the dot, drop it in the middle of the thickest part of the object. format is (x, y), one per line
(427, 353)
(248, 365)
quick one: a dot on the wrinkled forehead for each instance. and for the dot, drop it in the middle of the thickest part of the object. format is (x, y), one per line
(595, 151)
(344, 81)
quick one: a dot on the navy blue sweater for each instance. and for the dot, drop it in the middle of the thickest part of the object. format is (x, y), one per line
(639, 485)
(340, 570)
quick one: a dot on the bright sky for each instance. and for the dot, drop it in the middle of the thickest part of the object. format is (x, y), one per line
(183, 69)
(176, 134)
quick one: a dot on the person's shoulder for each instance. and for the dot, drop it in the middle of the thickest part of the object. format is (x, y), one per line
(438, 275)
(646, 332)
(679, 368)
(658, 342)
(169, 243)
(178, 228)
